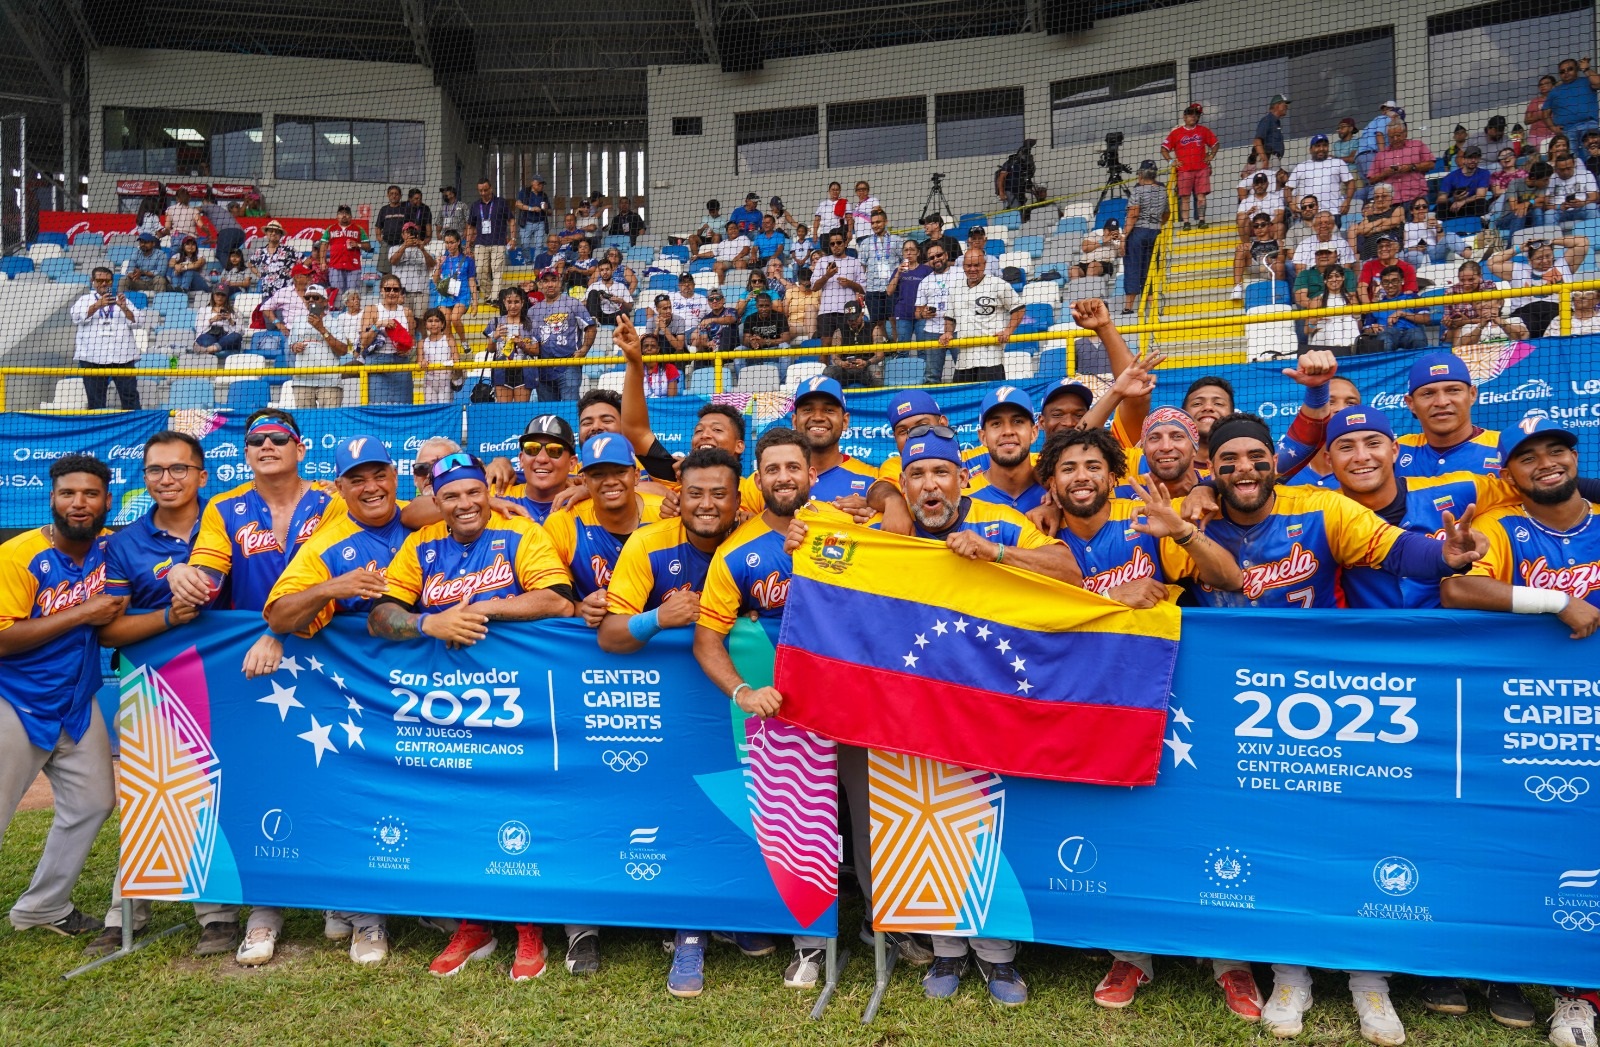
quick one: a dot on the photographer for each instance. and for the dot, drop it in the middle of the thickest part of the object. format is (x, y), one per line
(1013, 182)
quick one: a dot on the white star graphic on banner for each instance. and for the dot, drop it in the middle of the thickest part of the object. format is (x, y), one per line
(961, 625)
(1024, 686)
(921, 640)
(1179, 716)
(318, 737)
(940, 628)
(1180, 750)
(1017, 664)
(354, 707)
(984, 632)
(911, 661)
(290, 664)
(1004, 646)
(283, 698)
(338, 681)
(315, 665)
(352, 734)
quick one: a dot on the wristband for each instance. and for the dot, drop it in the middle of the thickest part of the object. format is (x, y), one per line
(999, 554)
(1318, 395)
(166, 616)
(643, 626)
(424, 616)
(1525, 599)
(1194, 532)
(742, 687)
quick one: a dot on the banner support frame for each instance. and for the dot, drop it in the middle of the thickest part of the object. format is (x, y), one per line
(834, 960)
(884, 957)
(128, 946)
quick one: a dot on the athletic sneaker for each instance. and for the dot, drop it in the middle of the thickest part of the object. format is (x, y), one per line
(1508, 1006)
(529, 961)
(1444, 996)
(257, 947)
(369, 944)
(107, 942)
(749, 944)
(1573, 1023)
(218, 938)
(1116, 989)
(1006, 986)
(1379, 1022)
(1201, 224)
(1240, 993)
(335, 927)
(944, 977)
(1237, 294)
(687, 978)
(72, 925)
(915, 949)
(445, 925)
(1186, 227)
(1285, 1010)
(472, 941)
(804, 970)
(583, 954)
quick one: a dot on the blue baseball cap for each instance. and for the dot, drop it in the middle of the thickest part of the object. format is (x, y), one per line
(1438, 367)
(1527, 429)
(359, 450)
(1067, 385)
(1357, 418)
(911, 403)
(1000, 395)
(819, 385)
(930, 446)
(606, 449)
(1319, 139)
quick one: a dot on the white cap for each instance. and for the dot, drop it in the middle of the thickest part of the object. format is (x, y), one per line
(317, 289)
(1390, 104)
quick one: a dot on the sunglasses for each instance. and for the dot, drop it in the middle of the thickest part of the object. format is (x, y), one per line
(944, 432)
(396, 290)
(1537, 245)
(279, 439)
(458, 460)
(552, 449)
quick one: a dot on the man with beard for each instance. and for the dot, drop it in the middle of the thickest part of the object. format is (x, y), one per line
(820, 418)
(1167, 451)
(933, 296)
(1441, 397)
(1005, 422)
(656, 585)
(51, 603)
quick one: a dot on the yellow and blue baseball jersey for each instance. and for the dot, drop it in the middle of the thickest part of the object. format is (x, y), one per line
(1027, 501)
(540, 511)
(339, 547)
(236, 540)
(1523, 551)
(658, 559)
(1117, 554)
(1479, 454)
(434, 572)
(138, 558)
(1311, 477)
(588, 549)
(994, 523)
(51, 687)
(850, 476)
(749, 574)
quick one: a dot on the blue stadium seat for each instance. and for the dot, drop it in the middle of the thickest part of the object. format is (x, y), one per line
(1037, 317)
(1072, 225)
(662, 282)
(167, 302)
(639, 255)
(1463, 226)
(973, 218)
(1116, 207)
(1052, 363)
(1007, 220)
(51, 238)
(15, 264)
(641, 316)
(88, 236)
(119, 253)
(139, 299)
(994, 248)
(248, 393)
(1034, 245)
(155, 359)
(620, 242)
(190, 392)
(903, 370)
(267, 343)
(1264, 293)
(517, 256)
(178, 320)
(703, 382)
(701, 265)
(678, 251)
(1436, 314)
(56, 268)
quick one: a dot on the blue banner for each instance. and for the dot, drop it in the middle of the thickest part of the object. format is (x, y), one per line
(1402, 792)
(530, 777)
(33, 441)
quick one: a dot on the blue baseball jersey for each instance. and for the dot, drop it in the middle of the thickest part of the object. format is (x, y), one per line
(658, 559)
(1117, 554)
(1028, 500)
(1523, 551)
(749, 574)
(236, 540)
(509, 557)
(540, 511)
(342, 545)
(1310, 477)
(51, 687)
(851, 476)
(138, 558)
(1478, 454)
(588, 549)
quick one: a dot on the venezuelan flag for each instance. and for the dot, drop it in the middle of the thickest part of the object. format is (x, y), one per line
(897, 643)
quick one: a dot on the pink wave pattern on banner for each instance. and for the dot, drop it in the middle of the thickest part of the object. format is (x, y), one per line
(791, 780)
(186, 675)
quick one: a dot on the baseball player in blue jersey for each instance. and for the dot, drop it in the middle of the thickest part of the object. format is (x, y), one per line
(820, 416)
(1006, 424)
(1342, 393)
(1441, 397)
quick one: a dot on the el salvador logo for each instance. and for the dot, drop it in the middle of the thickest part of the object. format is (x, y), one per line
(1395, 876)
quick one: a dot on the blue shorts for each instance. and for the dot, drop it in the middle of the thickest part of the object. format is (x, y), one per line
(448, 302)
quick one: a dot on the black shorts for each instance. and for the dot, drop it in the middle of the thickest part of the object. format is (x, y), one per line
(827, 324)
(510, 377)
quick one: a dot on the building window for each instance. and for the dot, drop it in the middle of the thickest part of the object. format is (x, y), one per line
(313, 149)
(979, 123)
(181, 142)
(883, 131)
(776, 140)
(1491, 57)
(686, 125)
(1324, 79)
(1136, 102)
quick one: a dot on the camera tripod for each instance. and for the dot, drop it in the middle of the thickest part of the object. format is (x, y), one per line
(1115, 187)
(936, 196)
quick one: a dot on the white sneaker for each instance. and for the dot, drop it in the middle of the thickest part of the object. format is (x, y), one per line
(257, 947)
(334, 927)
(1573, 1023)
(1379, 1022)
(804, 969)
(369, 944)
(1286, 1005)
(1238, 293)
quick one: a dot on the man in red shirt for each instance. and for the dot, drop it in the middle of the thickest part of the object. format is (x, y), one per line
(1194, 145)
(346, 241)
(1372, 270)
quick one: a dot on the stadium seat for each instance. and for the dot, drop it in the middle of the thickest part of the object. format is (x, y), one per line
(69, 396)
(1020, 259)
(57, 268)
(678, 251)
(267, 344)
(622, 243)
(1007, 220)
(59, 239)
(1033, 245)
(1019, 365)
(760, 378)
(1116, 207)
(517, 256)
(155, 359)
(88, 236)
(1264, 293)
(994, 248)
(14, 265)
(117, 254)
(42, 251)
(190, 392)
(902, 370)
(701, 265)
(612, 380)
(139, 299)
(703, 381)
(86, 254)
(972, 218)
(736, 278)
(705, 279)
(639, 255)
(1043, 292)
(1463, 226)
(1052, 363)
(1072, 226)
(799, 372)
(662, 282)
(248, 393)
(668, 265)
(1038, 317)
(167, 302)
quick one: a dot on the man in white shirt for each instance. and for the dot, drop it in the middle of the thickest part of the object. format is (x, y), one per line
(861, 209)
(1573, 189)
(981, 306)
(1541, 270)
(313, 343)
(1260, 200)
(608, 296)
(933, 295)
(830, 213)
(734, 252)
(1323, 176)
(686, 305)
(105, 324)
(840, 278)
(1324, 237)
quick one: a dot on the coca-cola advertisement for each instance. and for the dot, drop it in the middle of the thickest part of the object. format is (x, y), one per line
(103, 224)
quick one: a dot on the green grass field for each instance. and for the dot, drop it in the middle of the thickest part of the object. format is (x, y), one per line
(312, 994)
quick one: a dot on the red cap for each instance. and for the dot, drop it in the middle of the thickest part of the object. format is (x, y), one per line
(301, 269)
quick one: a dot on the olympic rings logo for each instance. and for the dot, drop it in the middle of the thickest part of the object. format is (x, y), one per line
(642, 870)
(1575, 919)
(1556, 788)
(624, 761)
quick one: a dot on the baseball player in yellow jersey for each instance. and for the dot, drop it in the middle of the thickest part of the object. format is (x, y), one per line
(1441, 397)
(589, 536)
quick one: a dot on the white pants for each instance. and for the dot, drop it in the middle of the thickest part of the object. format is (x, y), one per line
(1300, 977)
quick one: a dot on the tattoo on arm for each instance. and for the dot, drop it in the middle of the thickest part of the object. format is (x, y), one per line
(390, 620)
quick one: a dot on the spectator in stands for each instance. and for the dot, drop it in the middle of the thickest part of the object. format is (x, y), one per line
(1425, 238)
(1464, 191)
(345, 325)
(1194, 145)
(1261, 201)
(1589, 153)
(769, 241)
(1147, 213)
(840, 279)
(1397, 328)
(272, 263)
(1452, 152)
(1324, 236)
(1324, 176)
(933, 296)
(1573, 189)
(1263, 249)
(554, 256)
(1573, 104)
(1388, 255)
(1464, 322)
(216, 328)
(718, 329)
(1335, 292)
(1380, 215)
(390, 220)
(1537, 128)
(980, 306)
(1343, 147)
(186, 269)
(581, 269)
(1493, 137)
(759, 284)
(1557, 144)
(455, 279)
(1309, 284)
(1375, 136)
(1541, 270)
(670, 330)
(254, 205)
(533, 215)
(902, 292)
(621, 270)
(411, 263)
(1404, 165)
(1585, 319)
(490, 216)
(318, 261)
(879, 253)
(1266, 149)
(388, 336)
(734, 252)
(766, 327)
(569, 234)
(1500, 180)
(806, 251)
(831, 212)
(147, 219)
(978, 240)
(419, 214)
(562, 329)
(147, 269)
(608, 296)
(439, 347)
(627, 222)
(313, 342)
(347, 242)
(933, 230)
(105, 322)
(224, 220)
(686, 303)
(1305, 212)
(182, 218)
(452, 212)
(709, 231)
(660, 379)
(863, 367)
(587, 219)
(803, 303)
(748, 216)
(511, 338)
(287, 303)
(1527, 201)
(235, 275)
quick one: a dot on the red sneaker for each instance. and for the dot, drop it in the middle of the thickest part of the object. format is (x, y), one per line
(472, 941)
(529, 962)
(1116, 989)
(1242, 996)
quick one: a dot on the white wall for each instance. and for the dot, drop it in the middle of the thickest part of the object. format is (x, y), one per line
(685, 171)
(121, 77)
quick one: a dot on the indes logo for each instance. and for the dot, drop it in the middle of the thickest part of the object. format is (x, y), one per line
(1576, 581)
(1138, 566)
(440, 591)
(1299, 566)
